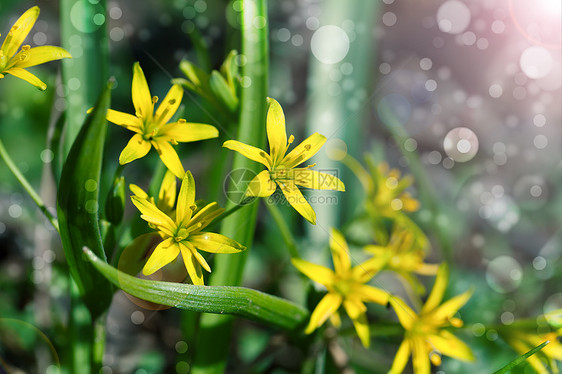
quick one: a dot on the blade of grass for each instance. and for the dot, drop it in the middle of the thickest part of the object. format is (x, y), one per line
(239, 301)
(519, 360)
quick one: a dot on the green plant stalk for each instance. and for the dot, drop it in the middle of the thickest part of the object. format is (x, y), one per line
(342, 122)
(427, 196)
(27, 187)
(283, 228)
(87, 42)
(239, 301)
(80, 332)
(214, 332)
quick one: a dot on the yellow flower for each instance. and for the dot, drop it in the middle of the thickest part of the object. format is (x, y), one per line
(183, 234)
(346, 286)
(166, 195)
(15, 63)
(152, 128)
(426, 337)
(523, 341)
(388, 194)
(281, 167)
(403, 255)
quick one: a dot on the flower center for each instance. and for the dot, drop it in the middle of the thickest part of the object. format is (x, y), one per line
(181, 234)
(343, 286)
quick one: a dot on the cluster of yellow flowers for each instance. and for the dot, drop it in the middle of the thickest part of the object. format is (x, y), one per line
(179, 219)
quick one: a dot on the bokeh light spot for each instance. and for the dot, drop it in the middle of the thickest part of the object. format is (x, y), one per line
(330, 44)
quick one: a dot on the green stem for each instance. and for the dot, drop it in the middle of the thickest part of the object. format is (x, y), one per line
(429, 200)
(284, 228)
(215, 331)
(98, 343)
(27, 187)
(230, 211)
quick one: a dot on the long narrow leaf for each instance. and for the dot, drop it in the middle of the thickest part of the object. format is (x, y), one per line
(240, 301)
(519, 360)
(77, 206)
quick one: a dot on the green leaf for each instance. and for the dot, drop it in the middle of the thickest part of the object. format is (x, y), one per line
(222, 91)
(229, 69)
(519, 360)
(77, 207)
(240, 301)
(115, 202)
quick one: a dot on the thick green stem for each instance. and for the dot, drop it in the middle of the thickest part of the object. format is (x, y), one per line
(27, 187)
(98, 343)
(283, 228)
(214, 333)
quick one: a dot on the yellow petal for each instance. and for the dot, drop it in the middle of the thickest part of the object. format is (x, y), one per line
(135, 149)
(276, 132)
(359, 319)
(36, 56)
(137, 191)
(183, 132)
(163, 254)
(125, 120)
(297, 201)
(401, 358)
(340, 252)
(427, 269)
(141, 94)
(261, 185)
(420, 357)
(169, 157)
(316, 180)
(204, 216)
(248, 151)
(215, 243)
(438, 290)
(167, 193)
(325, 308)
(405, 314)
(150, 210)
(28, 77)
(304, 151)
(169, 106)
(317, 273)
(371, 294)
(449, 345)
(19, 31)
(191, 264)
(451, 306)
(368, 269)
(186, 199)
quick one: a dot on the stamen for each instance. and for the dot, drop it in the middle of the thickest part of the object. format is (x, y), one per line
(435, 358)
(174, 141)
(154, 99)
(182, 121)
(26, 47)
(193, 207)
(291, 139)
(307, 147)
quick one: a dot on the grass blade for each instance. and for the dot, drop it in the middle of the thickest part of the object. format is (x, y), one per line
(519, 360)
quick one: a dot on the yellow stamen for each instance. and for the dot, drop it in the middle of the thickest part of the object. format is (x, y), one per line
(26, 47)
(435, 358)
(154, 99)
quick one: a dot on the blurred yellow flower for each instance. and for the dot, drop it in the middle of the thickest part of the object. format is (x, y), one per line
(403, 255)
(152, 128)
(346, 286)
(281, 167)
(183, 234)
(524, 341)
(426, 338)
(15, 63)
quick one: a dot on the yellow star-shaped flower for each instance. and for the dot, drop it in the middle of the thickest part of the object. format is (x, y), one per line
(346, 286)
(152, 128)
(426, 336)
(281, 167)
(183, 234)
(403, 255)
(15, 63)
